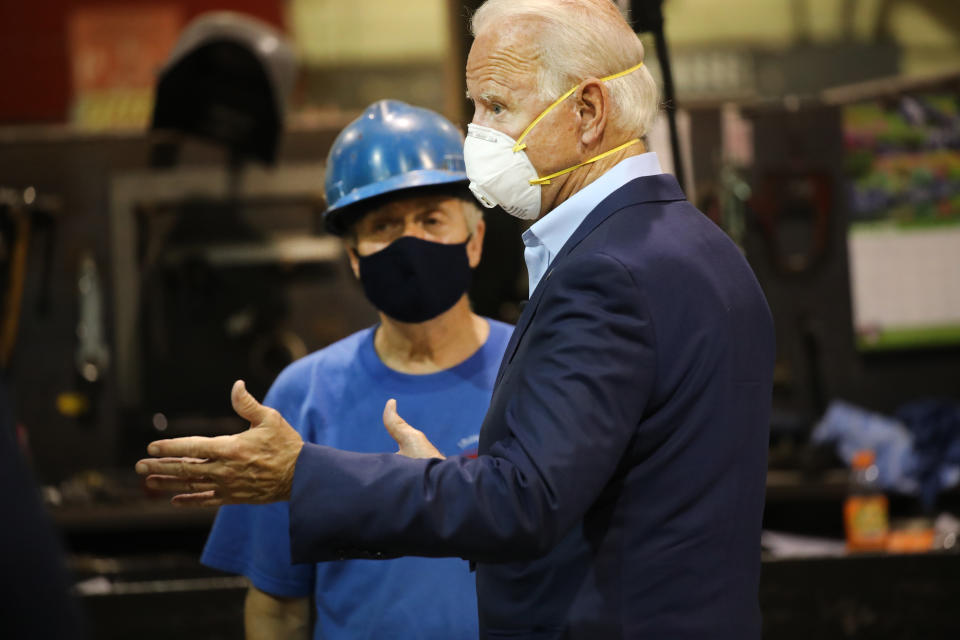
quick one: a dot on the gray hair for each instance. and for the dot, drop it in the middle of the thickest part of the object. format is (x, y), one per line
(583, 39)
(472, 214)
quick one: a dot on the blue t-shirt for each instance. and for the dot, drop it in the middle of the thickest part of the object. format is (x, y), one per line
(335, 397)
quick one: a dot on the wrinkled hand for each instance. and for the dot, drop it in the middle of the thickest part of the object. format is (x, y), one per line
(412, 442)
(255, 466)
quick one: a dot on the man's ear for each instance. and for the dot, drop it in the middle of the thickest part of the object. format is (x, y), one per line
(475, 245)
(593, 105)
(354, 261)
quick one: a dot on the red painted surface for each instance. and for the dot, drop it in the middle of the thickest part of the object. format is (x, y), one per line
(34, 64)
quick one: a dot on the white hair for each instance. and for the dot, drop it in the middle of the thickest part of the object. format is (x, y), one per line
(472, 214)
(583, 39)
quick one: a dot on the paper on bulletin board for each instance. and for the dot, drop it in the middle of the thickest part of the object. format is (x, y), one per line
(905, 284)
(902, 157)
(115, 54)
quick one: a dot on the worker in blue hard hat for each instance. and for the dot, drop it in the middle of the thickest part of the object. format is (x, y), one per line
(398, 195)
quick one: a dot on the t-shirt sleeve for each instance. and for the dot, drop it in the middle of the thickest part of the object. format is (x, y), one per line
(254, 540)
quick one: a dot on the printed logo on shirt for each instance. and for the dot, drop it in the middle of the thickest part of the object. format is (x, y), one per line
(463, 443)
(468, 445)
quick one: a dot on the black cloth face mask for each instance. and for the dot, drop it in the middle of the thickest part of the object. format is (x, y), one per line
(414, 280)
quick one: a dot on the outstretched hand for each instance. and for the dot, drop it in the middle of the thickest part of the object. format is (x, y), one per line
(255, 466)
(412, 442)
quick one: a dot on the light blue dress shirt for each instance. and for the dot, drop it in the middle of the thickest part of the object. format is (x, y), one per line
(547, 236)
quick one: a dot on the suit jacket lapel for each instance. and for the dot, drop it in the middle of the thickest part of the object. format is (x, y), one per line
(658, 188)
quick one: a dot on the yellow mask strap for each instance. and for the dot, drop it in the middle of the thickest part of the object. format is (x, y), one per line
(519, 146)
(546, 179)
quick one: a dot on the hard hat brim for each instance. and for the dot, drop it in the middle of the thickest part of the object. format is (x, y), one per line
(345, 211)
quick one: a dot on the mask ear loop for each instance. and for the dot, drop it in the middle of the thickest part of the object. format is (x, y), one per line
(520, 145)
(546, 179)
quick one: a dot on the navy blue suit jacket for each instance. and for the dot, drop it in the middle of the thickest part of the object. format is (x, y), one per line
(620, 484)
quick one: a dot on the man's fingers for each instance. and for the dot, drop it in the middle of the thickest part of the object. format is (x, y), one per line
(189, 447)
(245, 404)
(412, 443)
(177, 484)
(396, 426)
(187, 468)
(200, 499)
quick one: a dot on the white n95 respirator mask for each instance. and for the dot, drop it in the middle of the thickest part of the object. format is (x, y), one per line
(498, 176)
(500, 172)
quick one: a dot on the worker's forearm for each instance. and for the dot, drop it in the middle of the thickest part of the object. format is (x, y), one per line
(267, 617)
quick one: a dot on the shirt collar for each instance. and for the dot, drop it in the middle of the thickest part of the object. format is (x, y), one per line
(554, 229)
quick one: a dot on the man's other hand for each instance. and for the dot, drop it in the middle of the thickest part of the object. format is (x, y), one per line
(255, 466)
(412, 442)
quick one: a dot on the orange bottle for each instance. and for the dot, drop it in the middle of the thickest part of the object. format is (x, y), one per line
(865, 512)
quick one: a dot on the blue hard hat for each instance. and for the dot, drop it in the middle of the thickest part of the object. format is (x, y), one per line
(392, 147)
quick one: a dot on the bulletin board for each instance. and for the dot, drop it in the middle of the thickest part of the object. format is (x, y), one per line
(902, 162)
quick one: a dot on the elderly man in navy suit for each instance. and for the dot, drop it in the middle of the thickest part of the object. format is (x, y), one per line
(620, 483)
